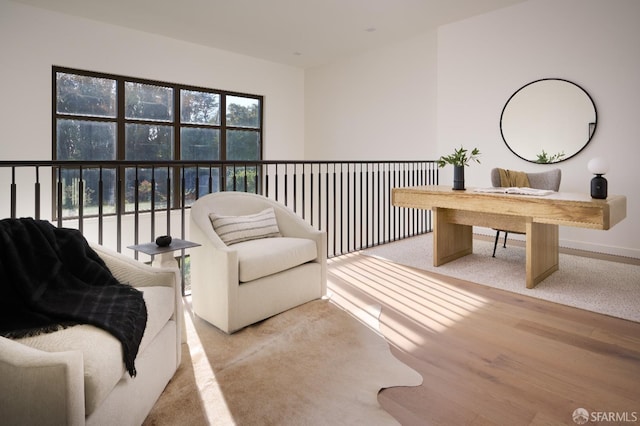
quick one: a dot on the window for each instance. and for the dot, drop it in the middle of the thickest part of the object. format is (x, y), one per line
(101, 117)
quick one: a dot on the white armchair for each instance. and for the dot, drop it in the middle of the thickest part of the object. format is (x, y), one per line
(76, 376)
(236, 285)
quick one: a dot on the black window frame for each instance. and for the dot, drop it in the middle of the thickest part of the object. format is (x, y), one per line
(121, 121)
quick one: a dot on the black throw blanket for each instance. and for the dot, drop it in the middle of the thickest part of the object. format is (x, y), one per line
(50, 278)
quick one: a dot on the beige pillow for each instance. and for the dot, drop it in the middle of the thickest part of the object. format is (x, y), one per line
(235, 229)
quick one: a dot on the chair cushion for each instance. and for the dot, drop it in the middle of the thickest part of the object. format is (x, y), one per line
(235, 229)
(259, 258)
(102, 352)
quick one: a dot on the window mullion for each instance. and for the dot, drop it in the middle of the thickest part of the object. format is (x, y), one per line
(177, 179)
(223, 139)
(120, 150)
(223, 127)
(120, 143)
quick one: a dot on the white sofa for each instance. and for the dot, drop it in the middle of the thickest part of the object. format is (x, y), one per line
(76, 376)
(236, 285)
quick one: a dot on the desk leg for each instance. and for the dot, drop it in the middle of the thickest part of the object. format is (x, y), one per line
(542, 252)
(450, 241)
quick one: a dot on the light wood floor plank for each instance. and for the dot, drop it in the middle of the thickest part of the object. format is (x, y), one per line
(490, 357)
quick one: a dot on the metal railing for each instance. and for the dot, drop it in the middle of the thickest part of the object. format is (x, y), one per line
(122, 203)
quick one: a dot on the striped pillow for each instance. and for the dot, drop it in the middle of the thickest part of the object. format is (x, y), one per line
(235, 229)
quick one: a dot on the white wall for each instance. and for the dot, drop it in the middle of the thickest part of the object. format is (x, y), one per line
(32, 40)
(594, 43)
(425, 96)
(377, 106)
(417, 99)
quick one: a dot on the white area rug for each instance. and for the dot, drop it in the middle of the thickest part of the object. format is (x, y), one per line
(601, 286)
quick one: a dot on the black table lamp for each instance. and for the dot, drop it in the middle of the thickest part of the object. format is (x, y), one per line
(598, 166)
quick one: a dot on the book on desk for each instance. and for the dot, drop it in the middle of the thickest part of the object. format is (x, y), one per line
(515, 190)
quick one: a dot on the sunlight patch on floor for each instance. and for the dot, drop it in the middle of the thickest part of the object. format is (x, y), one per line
(431, 302)
(369, 315)
(208, 387)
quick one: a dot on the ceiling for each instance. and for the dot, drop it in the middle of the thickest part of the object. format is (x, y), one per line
(301, 33)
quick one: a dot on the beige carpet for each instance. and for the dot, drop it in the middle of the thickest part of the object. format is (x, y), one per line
(312, 365)
(596, 285)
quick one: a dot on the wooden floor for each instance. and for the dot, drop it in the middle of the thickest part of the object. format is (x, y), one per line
(490, 357)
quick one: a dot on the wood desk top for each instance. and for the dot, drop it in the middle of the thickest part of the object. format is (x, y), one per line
(560, 208)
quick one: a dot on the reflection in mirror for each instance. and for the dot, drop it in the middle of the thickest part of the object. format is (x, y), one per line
(548, 121)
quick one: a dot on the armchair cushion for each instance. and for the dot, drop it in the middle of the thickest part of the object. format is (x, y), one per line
(235, 229)
(263, 257)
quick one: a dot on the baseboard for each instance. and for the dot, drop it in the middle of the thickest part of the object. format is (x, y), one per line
(599, 248)
(587, 249)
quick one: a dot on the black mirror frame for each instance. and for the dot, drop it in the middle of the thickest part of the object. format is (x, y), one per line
(592, 130)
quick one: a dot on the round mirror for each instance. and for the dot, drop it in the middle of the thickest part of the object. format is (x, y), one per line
(548, 121)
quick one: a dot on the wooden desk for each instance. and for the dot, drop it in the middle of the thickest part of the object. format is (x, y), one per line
(455, 213)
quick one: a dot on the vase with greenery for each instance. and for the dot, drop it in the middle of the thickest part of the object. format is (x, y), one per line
(460, 159)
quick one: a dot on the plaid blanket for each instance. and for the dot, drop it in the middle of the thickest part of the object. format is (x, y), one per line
(50, 278)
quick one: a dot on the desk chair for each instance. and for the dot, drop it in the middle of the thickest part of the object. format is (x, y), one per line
(544, 180)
